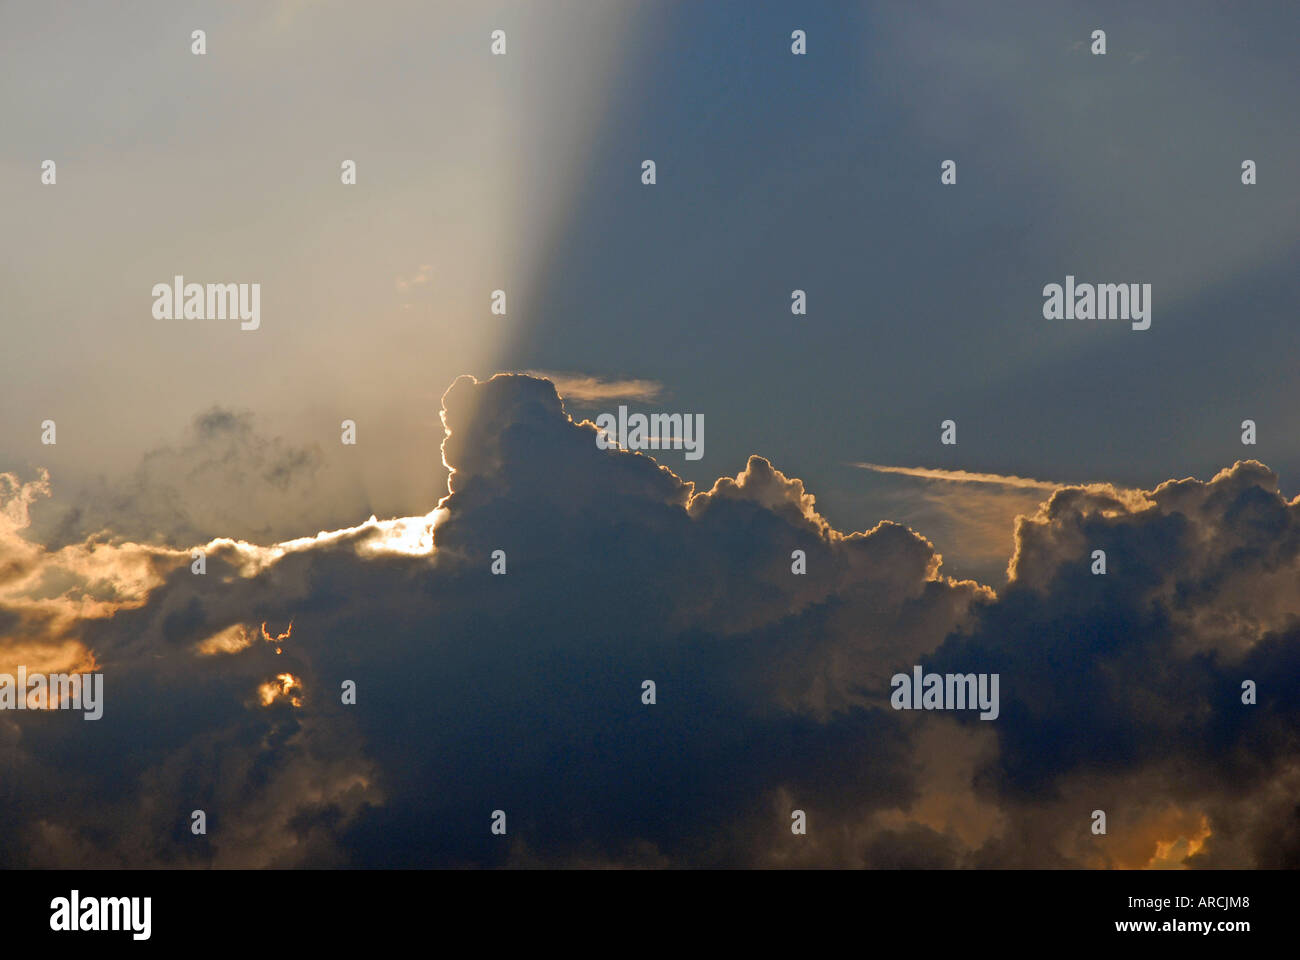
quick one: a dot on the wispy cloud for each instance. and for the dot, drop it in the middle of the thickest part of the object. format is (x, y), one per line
(584, 387)
(976, 514)
(417, 279)
(964, 476)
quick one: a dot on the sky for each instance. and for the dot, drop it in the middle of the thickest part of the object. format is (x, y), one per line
(774, 172)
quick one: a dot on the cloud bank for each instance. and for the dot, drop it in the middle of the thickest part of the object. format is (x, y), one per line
(522, 692)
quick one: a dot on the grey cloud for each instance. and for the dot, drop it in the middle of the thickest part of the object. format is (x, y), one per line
(522, 692)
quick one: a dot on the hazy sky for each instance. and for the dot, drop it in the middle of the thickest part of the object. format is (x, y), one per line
(775, 172)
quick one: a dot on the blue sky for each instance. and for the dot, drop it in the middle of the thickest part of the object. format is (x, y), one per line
(822, 173)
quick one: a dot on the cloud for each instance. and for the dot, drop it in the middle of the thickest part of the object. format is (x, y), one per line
(417, 279)
(962, 476)
(979, 511)
(587, 388)
(973, 513)
(523, 692)
(225, 478)
(1125, 690)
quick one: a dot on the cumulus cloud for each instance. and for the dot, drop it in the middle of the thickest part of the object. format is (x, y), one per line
(523, 692)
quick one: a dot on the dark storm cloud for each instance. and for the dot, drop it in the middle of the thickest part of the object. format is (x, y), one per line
(1114, 677)
(522, 692)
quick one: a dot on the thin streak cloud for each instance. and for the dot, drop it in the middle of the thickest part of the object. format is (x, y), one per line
(965, 476)
(586, 388)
